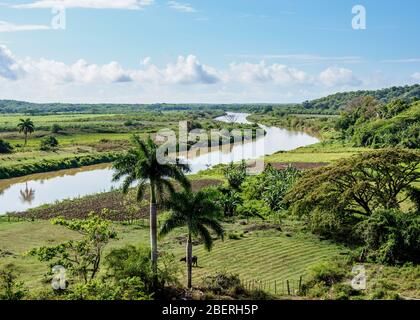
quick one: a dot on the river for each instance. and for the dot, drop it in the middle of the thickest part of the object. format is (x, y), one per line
(20, 194)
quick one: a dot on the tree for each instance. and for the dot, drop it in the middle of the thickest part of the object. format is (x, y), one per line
(140, 164)
(338, 196)
(196, 211)
(56, 128)
(235, 175)
(26, 126)
(48, 143)
(5, 147)
(81, 258)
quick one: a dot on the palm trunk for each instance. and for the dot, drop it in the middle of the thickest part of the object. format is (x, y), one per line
(153, 228)
(189, 261)
(26, 138)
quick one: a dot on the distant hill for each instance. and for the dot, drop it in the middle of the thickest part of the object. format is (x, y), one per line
(338, 101)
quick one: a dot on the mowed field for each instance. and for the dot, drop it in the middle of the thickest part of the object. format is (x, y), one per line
(262, 253)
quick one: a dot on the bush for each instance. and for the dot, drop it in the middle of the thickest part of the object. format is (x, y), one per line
(56, 128)
(235, 235)
(327, 272)
(222, 282)
(10, 289)
(5, 147)
(53, 165)
(48, 143)
(391, 236)
(124, 289)
(135, 262)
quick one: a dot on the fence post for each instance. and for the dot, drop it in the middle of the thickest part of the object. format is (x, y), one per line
(288, 287)
(275, 286)
(300, 283)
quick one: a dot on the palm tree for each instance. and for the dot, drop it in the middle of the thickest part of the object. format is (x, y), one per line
(140, 164)
(26, 126)
(198, 212)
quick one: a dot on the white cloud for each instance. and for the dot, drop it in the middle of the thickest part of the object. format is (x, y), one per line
(276, 73)
(9, 67)
(86, 4)
(182, 7)
(185, 79)
(416, 76)
(54, 72)
(10, 27)
(189, 70)
(334, 76)
(185, 71)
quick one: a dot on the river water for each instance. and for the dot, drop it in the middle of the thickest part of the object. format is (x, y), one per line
(19, 194)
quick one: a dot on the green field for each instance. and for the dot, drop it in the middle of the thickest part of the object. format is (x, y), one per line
(261, 255)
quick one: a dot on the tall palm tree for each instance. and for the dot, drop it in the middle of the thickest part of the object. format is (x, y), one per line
(140, 164)
(198, 212)
(26, 126)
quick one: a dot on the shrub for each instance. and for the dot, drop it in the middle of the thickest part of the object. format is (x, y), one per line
(222, 282)
(48, 143)
(391, 236)
(235, 235)
(124, 289)
(135, 262)
(82, 257)
(56, 128)
(10, 289)
(5, 147)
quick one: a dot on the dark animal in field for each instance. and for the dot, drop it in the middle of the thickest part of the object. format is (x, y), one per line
(194, 260)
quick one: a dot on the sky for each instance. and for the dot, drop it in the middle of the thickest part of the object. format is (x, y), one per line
(197, 51)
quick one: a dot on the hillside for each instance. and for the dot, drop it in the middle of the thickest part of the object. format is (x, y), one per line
(367, 123)
(338, 101)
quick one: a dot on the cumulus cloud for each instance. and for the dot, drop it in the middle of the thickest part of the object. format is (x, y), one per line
(185, 71)
(56, 72)
(10, 27)
(86, 4)
(334, 76)
(277, 73)
(416, 76)
(189, 70)
(182, 7)
(184, 79)
(9, 67)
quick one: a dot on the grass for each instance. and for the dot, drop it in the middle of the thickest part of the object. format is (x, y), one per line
(319, 152)
(261, 255)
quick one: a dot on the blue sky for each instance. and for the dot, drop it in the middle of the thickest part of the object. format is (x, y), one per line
(144, 51)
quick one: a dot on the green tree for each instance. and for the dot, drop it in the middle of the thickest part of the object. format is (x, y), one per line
(56, 128)
(5, 147)
(26, 126)
(198, 212)
(141, 164)
(81, 258)
(235, 175)
(336, 197)
(48, 143)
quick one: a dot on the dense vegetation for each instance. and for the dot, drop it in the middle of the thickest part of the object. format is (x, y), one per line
(366, 122)
(358, 201)
(338, 101)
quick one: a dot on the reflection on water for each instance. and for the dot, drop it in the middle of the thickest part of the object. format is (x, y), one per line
(19, 194)
(27, 195)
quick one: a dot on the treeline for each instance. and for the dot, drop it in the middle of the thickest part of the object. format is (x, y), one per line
(338, 101)
(47, 165)
(12, 106)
